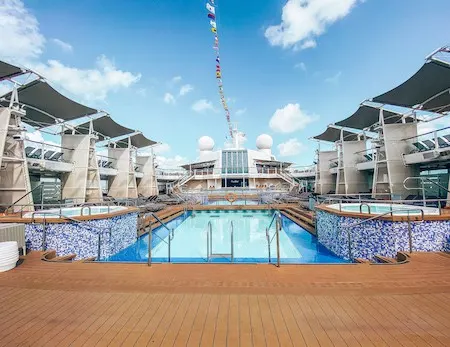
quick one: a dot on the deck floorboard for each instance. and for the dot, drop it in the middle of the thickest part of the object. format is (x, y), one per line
(85, 304)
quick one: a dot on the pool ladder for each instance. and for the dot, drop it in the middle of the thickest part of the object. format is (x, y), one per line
(209, 244)
(277, 219)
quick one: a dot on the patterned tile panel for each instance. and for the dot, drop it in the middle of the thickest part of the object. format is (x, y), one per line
(84, 239)
(380, 237)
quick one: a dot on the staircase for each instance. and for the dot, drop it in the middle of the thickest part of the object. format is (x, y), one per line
(304, 218)
(285, 175)
(184, 179)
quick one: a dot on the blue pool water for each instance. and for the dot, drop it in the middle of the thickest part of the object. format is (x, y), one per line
(189, 243)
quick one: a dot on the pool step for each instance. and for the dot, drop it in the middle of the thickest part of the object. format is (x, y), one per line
(305, 223)
(219, 255)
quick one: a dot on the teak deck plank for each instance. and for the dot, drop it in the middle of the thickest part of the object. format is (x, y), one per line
(85, 304)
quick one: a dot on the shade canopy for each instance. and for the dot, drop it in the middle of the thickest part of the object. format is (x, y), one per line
(8, 70)
(105, 126)
(138, 141)
(367, 116)
(333, 135)
(429, 87)
(44, 105)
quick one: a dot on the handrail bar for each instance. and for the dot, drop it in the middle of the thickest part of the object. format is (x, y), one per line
(384, 214)
(349, 226)
(232, 240)
(40, 185)
(275, 214)
(157, 218)
(83, 223)
(426, 179)
(427, 133)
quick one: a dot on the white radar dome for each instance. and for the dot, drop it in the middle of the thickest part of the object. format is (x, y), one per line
(264, 141)
(205, 143)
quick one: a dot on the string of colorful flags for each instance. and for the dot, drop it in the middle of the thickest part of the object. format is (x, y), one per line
(211, 7)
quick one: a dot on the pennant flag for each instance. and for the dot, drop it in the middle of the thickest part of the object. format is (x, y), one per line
(211, 8)
(214, 30)
(213, 24)
(211, 16)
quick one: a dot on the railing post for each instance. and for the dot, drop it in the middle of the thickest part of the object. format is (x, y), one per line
(170, 241)
(232, 241)
(149, 262)
(44, 235)
(410, 235)
(99, 245)
(349, 236)
(278, 227)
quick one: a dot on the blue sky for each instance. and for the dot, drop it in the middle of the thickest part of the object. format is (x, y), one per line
(124, 56)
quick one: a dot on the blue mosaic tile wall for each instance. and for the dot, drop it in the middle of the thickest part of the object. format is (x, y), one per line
(380, 237)
(83, 238)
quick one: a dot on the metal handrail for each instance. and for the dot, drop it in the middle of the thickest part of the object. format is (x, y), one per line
(349, 226)
(232, 240)
(422, 179)
(364, 204)
(60, 215)
(170, 238)
(209, 252)
(277, 217)
(40, 185)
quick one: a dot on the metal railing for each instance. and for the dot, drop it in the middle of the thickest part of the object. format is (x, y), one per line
(277, 218)
(73, 220)
(359, 198)
(422, 187)
(40, 185)
(408, 216)
(209, 244)
(150, 236)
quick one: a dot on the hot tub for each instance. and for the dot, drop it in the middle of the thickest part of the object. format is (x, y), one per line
(351, 232)
(380, 208)
(74, 211)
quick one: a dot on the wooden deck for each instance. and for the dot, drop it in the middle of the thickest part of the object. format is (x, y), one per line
(81, 304)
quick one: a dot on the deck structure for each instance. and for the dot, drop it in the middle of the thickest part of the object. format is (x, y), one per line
(85, 304)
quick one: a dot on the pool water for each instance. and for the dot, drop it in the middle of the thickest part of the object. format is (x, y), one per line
(237, 202)
(380, 208)
(74, 211)
(189, 243)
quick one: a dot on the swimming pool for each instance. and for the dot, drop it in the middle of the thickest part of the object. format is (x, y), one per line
(237, 202)
(380, 208)
(74, 211)
(189, 242)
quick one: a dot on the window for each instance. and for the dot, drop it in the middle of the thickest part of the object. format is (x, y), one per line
(234, 162)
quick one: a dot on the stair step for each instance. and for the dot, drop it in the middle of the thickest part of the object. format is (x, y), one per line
(219, 255)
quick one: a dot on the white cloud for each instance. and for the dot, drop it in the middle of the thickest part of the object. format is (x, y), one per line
(161, 148)
(169, 98)
(304, 20)
(20, 36)
(36, 136)
(142, 92)
(290, 148)
(203, 105)
(185, 89)
(290, 118)
(301, 66)
(22, 43)
(66, 47)
(242, 139)
(240, 112)
(175, 80)
(334, 79)
(4, 88)
(91, 84)
(170, 162)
